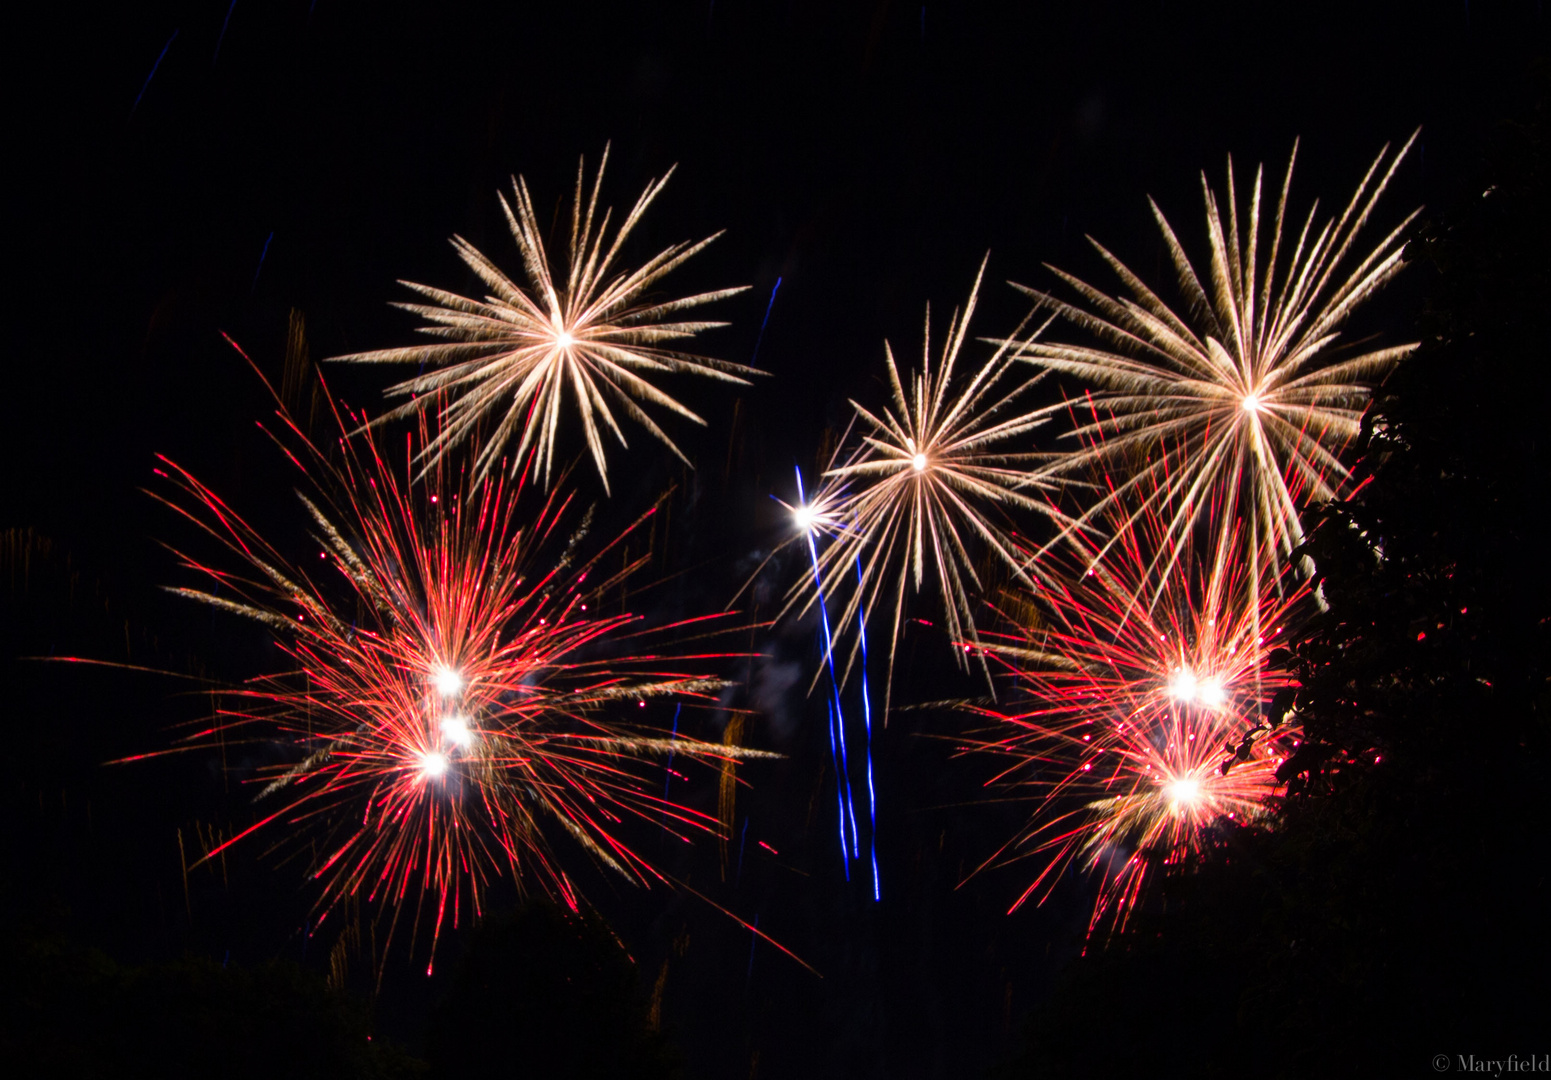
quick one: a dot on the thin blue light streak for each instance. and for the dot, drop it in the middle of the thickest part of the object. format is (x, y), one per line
(840, 798)
(761, 337)
(872, 793)
(152, 75)
(843, 777)
(668, 779)
(856, 848)
(224, 23)
(262, 256)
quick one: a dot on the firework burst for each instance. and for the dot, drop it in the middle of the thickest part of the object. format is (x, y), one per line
(591, 334)
(930, 475)
(1250, 382)
(454, 693)
(1139, 728)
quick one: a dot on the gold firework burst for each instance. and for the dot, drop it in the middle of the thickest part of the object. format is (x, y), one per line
(925, 484)
(1250, 381)
(593, 335)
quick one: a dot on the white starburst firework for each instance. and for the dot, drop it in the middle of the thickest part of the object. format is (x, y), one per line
(927, 482)
(1249, 382)
(591, 335)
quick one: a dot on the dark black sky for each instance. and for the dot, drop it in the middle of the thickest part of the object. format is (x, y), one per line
(868, 155)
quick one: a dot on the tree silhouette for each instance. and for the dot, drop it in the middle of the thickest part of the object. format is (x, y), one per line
(549, 993)
(1397, 909)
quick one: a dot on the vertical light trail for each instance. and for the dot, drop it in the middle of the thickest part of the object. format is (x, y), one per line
(840, 795)
(761, 338)
(262, 256)
(838, 720)
(668, 778)
(845, 765)
(872, 793)
(224, 24)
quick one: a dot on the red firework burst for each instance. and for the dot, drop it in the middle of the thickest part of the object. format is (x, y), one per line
(453, 689)
(1139, 711)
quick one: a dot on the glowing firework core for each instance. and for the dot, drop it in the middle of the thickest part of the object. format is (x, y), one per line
(447, 681)
(433, 765)
(1182, 791)
(803, 516)
(1182, 685)
(564, 340)
(918, 463)
(1251, 403)
(457, 731)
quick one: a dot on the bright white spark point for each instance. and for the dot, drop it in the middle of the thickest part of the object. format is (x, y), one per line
(1182, 685)
(803, 515)
(1251, 403)
(918, 463)
(1182, 791)
(433, 765)
(1212, 694)
(448, 682)
(564, 340)
(456, 730)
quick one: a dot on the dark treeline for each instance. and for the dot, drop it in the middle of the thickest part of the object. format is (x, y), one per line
(1397, 909)
(541, 992)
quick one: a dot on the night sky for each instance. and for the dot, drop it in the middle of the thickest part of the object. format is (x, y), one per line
(297, 156)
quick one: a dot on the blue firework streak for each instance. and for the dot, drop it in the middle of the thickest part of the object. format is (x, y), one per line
(840, 793)
(760, 339)
(668, 771)
(872, 791)
(159, 58)
(850, 834)
(849, 843)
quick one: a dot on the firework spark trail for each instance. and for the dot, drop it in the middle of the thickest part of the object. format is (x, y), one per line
(262, 256)
(668, 769)
(824, 513)
(159, 58)
(753, 941)
(1249, 380)
(927, 474)
(872, 791)
(765, 322)
(752, 927)
(840, 794)
(851, 850)
(855, 848)
(516, 354)
(222, 37)
(447, 701)
(1128, 714)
